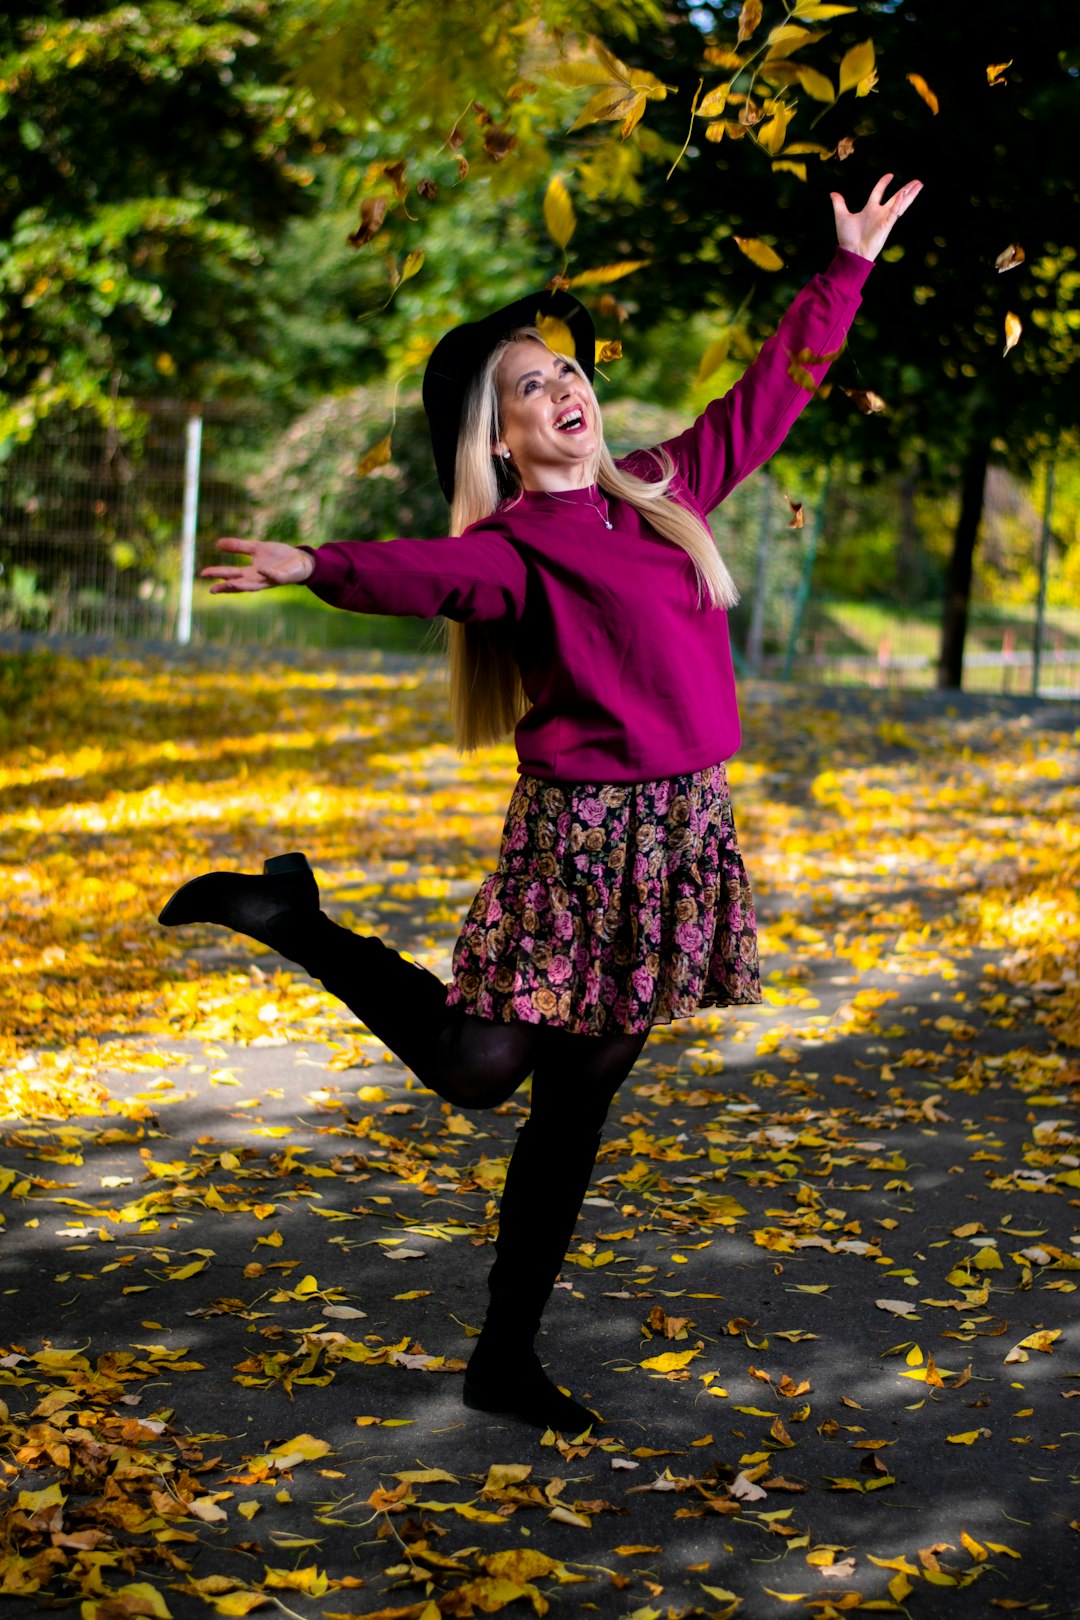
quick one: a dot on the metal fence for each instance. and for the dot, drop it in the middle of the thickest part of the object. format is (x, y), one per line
(101, 535)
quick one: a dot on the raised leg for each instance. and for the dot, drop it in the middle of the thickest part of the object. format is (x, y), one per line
(471, 1062)
(576, 1077)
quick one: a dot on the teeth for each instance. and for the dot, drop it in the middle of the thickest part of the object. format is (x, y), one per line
(569, 421)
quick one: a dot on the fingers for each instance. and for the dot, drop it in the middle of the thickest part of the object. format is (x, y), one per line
(232, 544)
(904, 199)
(879, 190)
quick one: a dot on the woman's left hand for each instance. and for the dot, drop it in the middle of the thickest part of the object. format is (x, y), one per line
(867, 232)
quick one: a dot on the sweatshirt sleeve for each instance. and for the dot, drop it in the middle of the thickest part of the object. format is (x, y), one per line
(472, 577)
(742, 430)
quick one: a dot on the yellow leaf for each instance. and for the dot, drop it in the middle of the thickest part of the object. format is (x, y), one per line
(1013, 328)
(856, 65)
(559, 216)
(556, 334)
(414, 263)
(378, 456)
(988, 1259)
(749, 17)
(500, 1475)
(35, 1501)
(900, 1588)
(811, 11)
(786, 39)
(771, 131)
(237, 1603)
(920, 86)
(713, 104)
(714, 357)
(967, 1438)
(994, 73)
(248, 1510)
(606, 351)
(759, 253)
(312, 1581)
(182, 1273)
(305, 1447)
(1042, 1340)
(814, 83)
(607, 272)
(670, 1361)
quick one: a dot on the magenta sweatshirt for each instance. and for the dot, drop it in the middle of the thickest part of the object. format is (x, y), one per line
(628, 678)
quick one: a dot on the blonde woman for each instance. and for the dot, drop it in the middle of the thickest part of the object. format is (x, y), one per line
(586, 608)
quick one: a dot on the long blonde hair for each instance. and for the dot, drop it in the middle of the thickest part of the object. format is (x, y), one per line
(486, 695)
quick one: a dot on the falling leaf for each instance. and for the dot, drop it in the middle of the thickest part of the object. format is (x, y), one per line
(844, 147)
(412, 265)
(749, 18)
(856, 66)
(759, 253)
(624, 91)
(607, 272)
(868, 403)
(995, 72)
(714, 357)
(372, 214)
(556, 334)
(920, 85)
(379, 455)
(1013, 328)
(559, 216)
(713, 103)
(608, 350)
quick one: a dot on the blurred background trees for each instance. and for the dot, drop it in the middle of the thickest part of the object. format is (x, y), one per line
(271, 210)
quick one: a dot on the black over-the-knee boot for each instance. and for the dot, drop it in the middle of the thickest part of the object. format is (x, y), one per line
(467, 1060)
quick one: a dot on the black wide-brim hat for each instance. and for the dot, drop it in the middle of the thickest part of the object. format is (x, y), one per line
(460, 355)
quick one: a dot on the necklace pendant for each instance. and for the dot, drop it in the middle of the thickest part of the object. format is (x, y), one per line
(607, 523)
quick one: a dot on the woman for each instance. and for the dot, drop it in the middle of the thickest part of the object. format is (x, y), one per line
(589, 595)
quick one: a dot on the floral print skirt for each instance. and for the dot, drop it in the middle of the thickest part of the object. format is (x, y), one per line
(613, 907)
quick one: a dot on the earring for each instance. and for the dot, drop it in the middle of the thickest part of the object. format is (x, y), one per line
(505, 455)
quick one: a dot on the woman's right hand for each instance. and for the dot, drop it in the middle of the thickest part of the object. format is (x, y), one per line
(269, 564)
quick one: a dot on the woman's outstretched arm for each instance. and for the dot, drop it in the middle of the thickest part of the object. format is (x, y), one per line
(750, 422)
(477, 576)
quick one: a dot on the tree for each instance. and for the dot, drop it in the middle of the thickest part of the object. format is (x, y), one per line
(145, 154)
(989, 118)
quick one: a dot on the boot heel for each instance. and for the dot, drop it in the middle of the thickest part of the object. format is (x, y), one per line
(278, 865)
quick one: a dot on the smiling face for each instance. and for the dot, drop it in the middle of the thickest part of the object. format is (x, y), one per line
(548, 418)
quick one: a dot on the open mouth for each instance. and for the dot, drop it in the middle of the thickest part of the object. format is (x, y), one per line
(572, 421)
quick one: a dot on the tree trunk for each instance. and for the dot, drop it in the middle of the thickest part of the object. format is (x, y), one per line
(950, 672)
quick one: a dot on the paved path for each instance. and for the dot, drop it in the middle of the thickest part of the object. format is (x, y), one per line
(236, 1310)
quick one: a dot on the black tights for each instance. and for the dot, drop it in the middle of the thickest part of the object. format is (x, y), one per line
(474, 1063)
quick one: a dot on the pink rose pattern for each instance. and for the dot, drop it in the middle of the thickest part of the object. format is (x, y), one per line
(613, 907)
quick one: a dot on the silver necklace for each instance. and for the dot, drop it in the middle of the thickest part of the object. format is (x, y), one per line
(605, 520)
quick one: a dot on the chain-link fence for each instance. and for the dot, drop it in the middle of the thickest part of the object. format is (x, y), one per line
(842, 589)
